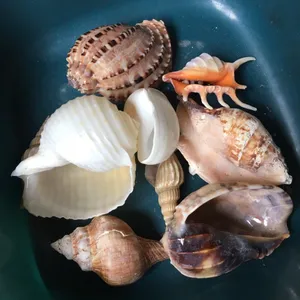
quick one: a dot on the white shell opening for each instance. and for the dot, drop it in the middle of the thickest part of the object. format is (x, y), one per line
(159, 128)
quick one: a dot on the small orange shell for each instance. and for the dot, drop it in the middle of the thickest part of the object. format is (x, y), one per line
(209, 69)
(118, 59)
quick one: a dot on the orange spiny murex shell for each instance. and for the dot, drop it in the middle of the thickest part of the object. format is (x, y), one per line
(118, 59)
(209, 69)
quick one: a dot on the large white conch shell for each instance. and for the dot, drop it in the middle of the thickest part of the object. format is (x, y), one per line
(159, 128)
(89, 132)
(81, 163)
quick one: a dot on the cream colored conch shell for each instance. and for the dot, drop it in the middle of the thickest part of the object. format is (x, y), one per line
(229, 145)
(110, 248)
(159, 128)
(89, 132)
(81, 163)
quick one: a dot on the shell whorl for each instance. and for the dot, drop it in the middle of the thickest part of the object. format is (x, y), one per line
(169, 177)
(205, 61)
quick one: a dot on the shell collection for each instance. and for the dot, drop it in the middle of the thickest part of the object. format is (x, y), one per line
(86, 150)
(119, 59)
(212, 70)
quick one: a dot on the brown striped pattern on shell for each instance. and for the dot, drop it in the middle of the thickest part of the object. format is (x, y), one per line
(118, 59)
(227, 145)
(35, 143)
(249, 141)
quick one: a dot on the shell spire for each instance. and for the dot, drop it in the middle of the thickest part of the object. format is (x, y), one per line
(110, 248)
(169, 178)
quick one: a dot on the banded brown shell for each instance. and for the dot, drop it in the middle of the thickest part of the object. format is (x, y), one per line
(110, 248)
(229, 145)
(118, 59)
(220, 226)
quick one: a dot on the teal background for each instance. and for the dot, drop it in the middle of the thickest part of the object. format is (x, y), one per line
(35, 38)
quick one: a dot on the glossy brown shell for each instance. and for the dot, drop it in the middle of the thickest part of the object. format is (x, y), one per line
(220, 226)
(118, 59)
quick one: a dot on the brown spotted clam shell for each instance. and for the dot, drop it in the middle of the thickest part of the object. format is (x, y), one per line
(220, 226)
(116, 60)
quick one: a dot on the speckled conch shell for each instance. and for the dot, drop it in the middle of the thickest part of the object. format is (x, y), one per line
(159, 129)
(81, 163)
(110, 248)
(167, 178)
(220, 226)
(229, 145)
(118, 59)
(209, 69)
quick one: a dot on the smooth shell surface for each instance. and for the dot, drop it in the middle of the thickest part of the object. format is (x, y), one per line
(110, 248)
(118, 59)
(159, 128)
(75, 193)
(220, 226)
(229, 145)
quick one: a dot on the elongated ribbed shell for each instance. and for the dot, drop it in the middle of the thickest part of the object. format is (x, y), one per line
(116, 60)
(110, 248)
(229, 145)
(220, 226)
(169, 178)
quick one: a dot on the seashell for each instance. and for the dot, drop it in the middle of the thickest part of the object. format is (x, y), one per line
(209, 69)
(118, 59)
(169, 178)
(159, 128)
(91, 133)
(221, 226)
(229, 145)
(110, 248)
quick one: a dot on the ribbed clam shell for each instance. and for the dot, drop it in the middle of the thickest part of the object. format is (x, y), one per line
(140, 70)
(118, 59)
(152, 78)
